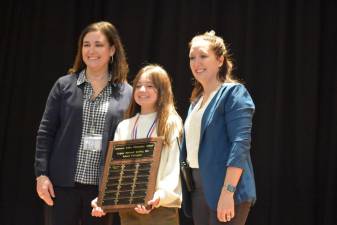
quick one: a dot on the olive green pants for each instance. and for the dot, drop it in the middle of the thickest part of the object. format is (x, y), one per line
(158, 216)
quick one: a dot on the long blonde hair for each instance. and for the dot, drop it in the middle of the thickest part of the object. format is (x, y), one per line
(219, 48)
(168, 118)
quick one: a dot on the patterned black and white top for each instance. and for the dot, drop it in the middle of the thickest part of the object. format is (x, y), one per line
(94, 112)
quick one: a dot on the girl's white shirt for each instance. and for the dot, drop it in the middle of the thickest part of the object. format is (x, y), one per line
(168, 187)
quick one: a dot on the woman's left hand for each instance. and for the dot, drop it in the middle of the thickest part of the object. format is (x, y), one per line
(96, 210)
(225, 209)
(147, 209)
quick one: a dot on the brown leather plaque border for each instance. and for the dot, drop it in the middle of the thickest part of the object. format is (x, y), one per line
(130, 173)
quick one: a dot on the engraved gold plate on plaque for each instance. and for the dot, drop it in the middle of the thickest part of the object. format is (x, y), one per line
(130, 173)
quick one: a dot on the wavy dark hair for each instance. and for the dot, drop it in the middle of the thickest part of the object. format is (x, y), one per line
(119, 67)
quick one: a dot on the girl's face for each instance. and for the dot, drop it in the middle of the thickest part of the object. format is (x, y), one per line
(204, 63)
(146, 94)
(96, 52)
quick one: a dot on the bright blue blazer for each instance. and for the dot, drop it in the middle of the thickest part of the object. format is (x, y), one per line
(225, 139)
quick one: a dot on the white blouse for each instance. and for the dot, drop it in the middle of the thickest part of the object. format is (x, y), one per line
(193, 129)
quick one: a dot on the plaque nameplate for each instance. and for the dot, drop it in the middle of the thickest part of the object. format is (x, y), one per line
(130, 173)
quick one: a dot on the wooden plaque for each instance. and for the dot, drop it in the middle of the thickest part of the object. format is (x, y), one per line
(130, 173)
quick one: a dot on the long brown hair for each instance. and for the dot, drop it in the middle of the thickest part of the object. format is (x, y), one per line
(219, 48)
(168, 118)
(119, 67)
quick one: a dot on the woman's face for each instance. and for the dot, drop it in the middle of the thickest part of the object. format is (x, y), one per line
(204, 63)
(96, 52)
(146, 94)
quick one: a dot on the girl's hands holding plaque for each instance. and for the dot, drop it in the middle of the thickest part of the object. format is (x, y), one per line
(150, 205)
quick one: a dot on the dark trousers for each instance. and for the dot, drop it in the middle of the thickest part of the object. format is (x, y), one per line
(72, 206)
(203, 215)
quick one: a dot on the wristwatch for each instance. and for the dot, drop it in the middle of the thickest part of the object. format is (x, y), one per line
(229, 187)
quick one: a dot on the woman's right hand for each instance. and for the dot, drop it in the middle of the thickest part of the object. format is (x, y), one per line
(45, 190)
(96, 210)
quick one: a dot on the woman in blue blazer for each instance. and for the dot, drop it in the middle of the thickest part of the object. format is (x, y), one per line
(217, 138)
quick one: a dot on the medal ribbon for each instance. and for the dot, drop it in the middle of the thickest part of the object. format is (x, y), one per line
(149, 133)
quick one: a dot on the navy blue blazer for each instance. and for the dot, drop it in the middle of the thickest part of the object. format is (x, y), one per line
(59, 135)
(225, 142)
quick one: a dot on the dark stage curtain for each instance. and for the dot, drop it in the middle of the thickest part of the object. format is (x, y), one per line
(284, 51)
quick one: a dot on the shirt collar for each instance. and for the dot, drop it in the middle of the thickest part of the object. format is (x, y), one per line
(82, 78)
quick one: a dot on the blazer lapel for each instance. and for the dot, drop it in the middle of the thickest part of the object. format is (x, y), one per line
(209, 112)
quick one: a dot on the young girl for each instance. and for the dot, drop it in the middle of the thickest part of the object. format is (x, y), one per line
(152, 113)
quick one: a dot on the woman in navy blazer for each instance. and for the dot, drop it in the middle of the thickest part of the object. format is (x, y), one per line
(81, 114)
(217, 138)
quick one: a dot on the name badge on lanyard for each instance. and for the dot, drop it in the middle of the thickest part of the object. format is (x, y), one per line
(92, 142)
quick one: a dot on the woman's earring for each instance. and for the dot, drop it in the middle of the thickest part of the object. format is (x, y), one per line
(111, 59)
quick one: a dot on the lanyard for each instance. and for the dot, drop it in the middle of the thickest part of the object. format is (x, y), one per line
(149, 133)
(93, 102)
(92, 110)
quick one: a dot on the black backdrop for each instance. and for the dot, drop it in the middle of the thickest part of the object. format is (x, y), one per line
(284, 50)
